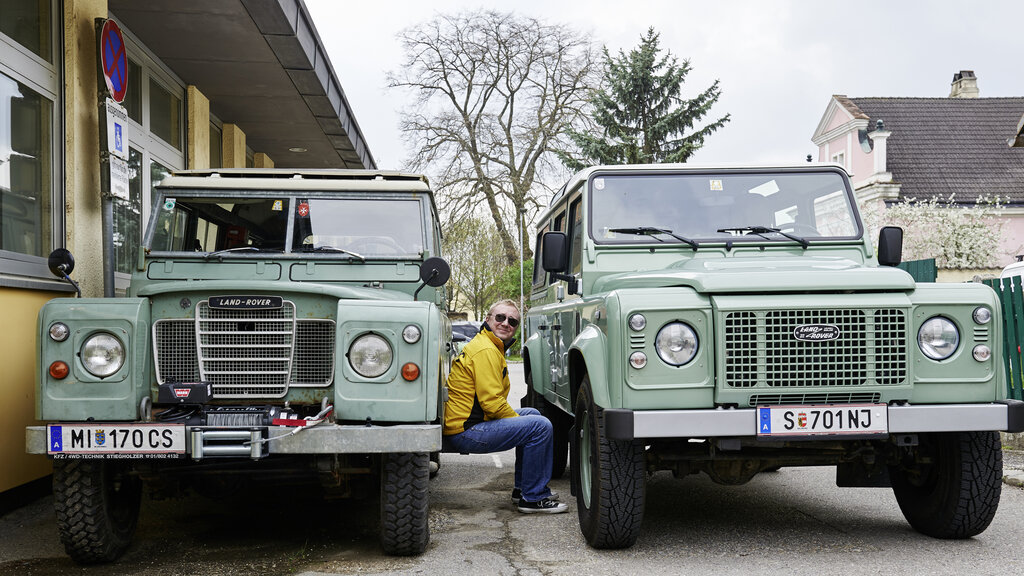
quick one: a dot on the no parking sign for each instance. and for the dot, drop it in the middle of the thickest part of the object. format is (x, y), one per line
(113, 60)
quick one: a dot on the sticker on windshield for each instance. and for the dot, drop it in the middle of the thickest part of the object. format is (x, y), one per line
(716, 186)
(766, 189)
(169, 204)
(598, 183)
(278, 206)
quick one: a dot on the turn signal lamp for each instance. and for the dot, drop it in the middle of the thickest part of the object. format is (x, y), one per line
(59, 370)
(410, 372)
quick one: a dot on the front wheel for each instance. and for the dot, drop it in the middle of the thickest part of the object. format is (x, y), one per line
(404, 495)
(950, 488)
(609, 476)
(97, 505)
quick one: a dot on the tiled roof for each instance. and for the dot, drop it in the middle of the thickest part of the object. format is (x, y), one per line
(941, 146)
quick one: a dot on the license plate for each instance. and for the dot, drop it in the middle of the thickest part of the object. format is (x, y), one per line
(116, 440)
(843, 420)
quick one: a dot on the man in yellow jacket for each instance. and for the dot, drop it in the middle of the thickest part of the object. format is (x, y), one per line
(478, 418)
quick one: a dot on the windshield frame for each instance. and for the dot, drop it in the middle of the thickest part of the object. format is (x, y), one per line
(290, 197)
(719, 239)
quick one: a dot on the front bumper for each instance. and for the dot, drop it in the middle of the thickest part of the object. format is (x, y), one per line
(1005, 416)
(323, 439)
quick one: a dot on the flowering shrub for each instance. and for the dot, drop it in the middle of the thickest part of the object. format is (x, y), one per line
(957, 236)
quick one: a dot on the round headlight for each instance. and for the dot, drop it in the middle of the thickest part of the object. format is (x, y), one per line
(411, 334)
(59, 332)
(676, 343)
(982, 315)
(102, 354)
(637, 322)
(938, 338)
(370, 355)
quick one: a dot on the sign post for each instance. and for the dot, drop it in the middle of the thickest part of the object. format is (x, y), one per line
(113, 124)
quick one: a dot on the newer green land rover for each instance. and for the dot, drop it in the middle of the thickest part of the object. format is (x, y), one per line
(733, 321)
(281, 325)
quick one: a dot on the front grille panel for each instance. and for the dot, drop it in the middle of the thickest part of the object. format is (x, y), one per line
(761, 350)
(825, 398)
(245, 353)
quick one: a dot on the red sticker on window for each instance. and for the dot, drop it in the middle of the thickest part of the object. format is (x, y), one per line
(303, 209)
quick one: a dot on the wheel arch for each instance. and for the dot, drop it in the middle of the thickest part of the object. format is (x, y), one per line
(588, 357)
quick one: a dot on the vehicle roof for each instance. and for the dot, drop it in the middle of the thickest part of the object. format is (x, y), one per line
(296, 179)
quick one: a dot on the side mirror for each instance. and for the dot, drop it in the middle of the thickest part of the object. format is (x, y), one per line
(555, 251)
(433, 272)
(555, 256)
(890, 245)
(61, 263)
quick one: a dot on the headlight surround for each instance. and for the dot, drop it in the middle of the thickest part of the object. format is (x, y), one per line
(370, 355)
(938, 338)
(676, 343)
(102, 354)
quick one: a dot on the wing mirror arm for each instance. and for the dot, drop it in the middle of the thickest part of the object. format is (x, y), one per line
(434, 272)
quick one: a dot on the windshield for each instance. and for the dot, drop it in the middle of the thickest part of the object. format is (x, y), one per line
(349, 227)
(805, 206)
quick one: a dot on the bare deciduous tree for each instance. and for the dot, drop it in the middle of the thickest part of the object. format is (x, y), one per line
(494, 95)
(476, 265)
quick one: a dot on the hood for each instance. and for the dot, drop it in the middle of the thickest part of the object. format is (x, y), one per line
(761, 274)
(339, 291)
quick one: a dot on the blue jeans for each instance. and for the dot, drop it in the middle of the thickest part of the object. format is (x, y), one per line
(532, 438)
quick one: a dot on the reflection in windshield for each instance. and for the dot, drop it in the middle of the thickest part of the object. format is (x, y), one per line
(339, 227)
(721, 207)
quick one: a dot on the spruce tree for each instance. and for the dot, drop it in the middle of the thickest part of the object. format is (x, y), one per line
(640, 112)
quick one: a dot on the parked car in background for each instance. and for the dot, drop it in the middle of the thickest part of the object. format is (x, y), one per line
(463, 332)
(1015, 269)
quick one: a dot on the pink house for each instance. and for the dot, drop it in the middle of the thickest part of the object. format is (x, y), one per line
(897, 148)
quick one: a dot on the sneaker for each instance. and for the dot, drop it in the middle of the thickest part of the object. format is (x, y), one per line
(545, 506)
(517, 494)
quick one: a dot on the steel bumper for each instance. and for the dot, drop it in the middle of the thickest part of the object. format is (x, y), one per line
(322, 439)
(1006, 416)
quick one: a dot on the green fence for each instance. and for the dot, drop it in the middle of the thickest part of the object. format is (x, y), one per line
(921, 270)
(1011, 299)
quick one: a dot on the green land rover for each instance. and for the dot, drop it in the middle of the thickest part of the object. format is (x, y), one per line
(280, 325)
(734, 321)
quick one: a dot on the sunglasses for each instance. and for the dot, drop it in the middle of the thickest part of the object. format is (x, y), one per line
(513, 322)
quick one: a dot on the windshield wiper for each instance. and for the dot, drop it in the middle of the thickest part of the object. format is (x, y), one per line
(235, 249)
(651, 231)
(762, 230)
(335, 249)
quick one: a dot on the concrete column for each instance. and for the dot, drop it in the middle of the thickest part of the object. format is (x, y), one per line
(233, 138)
(197, 135)
(82, 203)
(261, 160)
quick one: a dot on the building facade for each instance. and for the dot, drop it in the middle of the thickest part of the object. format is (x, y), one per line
(210, 84)
(922, 148)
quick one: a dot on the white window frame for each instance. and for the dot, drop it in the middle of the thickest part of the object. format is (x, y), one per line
(46, 79)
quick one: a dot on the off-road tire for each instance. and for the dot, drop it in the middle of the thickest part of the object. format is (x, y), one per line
(955, 496)
(97, 505)
(610, 479)
(404, 497)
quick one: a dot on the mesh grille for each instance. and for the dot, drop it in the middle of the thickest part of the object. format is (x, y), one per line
(827, 398)
(760, 349)
(246, 353)
(175, 342)
(313, 361)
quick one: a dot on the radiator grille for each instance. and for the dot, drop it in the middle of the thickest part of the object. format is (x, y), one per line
(246, 353)
(761, 351)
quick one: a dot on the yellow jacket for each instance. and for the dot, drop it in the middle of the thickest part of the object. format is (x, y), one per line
(478, 384)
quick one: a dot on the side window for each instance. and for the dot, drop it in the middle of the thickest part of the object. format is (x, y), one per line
(538, 257)
(576, 235)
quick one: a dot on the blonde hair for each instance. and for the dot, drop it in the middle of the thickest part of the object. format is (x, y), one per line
(505, 302)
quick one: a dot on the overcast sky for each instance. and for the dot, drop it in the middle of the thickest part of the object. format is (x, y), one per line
(779, 62)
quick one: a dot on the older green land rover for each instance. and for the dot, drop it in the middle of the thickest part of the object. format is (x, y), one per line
(737, 320)
(280, 325)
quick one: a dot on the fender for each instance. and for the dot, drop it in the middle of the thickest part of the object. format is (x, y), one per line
(590, 352)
